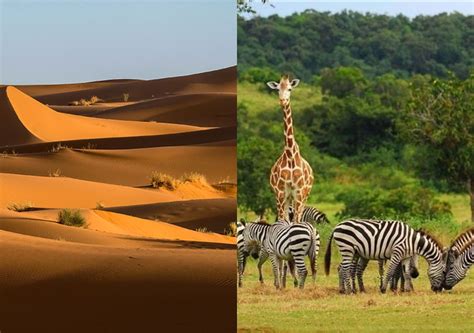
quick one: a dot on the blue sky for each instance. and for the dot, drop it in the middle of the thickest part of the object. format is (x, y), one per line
(83, 40)
(390, 7)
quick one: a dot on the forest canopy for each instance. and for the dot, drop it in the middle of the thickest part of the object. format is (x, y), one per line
(305, 43)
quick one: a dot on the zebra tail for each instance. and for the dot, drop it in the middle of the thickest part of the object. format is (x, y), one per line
(327, 256)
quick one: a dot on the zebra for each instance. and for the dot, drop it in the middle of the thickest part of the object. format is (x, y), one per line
(287, 241)
(310, 214)
(385, 239)
(457, 267)
(250, 236)
(361, 265)
(459, 264)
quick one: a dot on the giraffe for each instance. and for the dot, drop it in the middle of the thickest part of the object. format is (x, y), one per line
(291, 177)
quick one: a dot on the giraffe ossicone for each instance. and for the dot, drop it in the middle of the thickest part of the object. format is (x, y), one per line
(291, 177)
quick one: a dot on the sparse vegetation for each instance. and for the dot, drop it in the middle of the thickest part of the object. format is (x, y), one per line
(231, 230)
(20, 207)
(203, 229)
(94, 99)
(55, 173)
(57, 148)
(99, 205)
(163, 180)
(194, 177)
(71, 217)
(84, 102)
(125, 97)
(74, 103)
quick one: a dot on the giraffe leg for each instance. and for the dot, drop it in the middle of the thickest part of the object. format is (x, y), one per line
(298, 205)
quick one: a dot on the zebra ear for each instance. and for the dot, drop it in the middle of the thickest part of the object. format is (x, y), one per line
(242, 220)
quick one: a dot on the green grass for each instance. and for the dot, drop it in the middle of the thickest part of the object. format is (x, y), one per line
(320, 307)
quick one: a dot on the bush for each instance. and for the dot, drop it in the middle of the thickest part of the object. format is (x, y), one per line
(159, 180)
(20, 207)
(194, 177)
(403, 202)
(71, 217)
(125, 97)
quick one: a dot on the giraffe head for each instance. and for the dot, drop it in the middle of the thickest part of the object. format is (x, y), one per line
(284, 88)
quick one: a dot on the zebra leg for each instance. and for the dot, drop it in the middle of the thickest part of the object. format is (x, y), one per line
(392, 266)
(381, 264)
(406, 284)
(346, 267)
(242, 263)
(361, 266)
(261, 260)
(291, 266)
(285, 270)
(354, 263)
(341, 279)
(301, 268)
(397, 275)
(312, 264)
(276, 270)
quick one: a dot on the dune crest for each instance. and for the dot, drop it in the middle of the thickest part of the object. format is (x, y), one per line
(31, 121)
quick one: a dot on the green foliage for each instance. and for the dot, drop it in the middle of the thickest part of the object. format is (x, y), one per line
(399, 203)
(259, 75)
(71, 218)
(305, 43)
(342, 81)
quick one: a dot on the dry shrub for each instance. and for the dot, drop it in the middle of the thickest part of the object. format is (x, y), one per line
(84, 102)
(20, 207)
(163, 180)
(71, 217)
(231, 230)
(74, 103)
(195, 178)
(94, 99)
(125, 97)
(56, 173)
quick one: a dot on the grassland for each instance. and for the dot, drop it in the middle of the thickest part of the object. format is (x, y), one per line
(320, 307)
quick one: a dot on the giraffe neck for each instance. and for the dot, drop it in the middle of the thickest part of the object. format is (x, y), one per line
(290, 142)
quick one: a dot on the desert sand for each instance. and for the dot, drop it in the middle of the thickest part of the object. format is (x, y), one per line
(147, 259)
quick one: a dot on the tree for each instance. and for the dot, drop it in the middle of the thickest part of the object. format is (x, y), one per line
(256, 155)
(440, 117)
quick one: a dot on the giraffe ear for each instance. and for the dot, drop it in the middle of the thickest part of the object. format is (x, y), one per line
(294, 83)
(273, 85)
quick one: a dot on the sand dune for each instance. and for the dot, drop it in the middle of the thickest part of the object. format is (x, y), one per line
(139, 263)
(24, 120)
(132, 167)
(206, 110)
(213, 214)
(218, 81)
(62, 192)
(73, 287)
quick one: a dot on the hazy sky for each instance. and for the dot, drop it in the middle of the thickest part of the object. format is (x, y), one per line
(85, 40)
(390, 7)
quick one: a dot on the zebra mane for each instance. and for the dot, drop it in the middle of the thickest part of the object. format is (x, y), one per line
(262, 222)
(425, 233)
(456, 240)
(466, 246)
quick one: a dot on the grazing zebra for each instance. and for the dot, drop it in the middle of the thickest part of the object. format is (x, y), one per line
(287, 241)
(310, 215)
(458, 258)
(394, 240)
(250, 237)
(459, 264)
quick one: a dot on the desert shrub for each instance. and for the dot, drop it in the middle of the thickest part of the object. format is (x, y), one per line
(99, 205)
(55, 173)
(71, 218)
(94, 99)
(84, 102)
(194, 177)
(406, 201)
(231, 230)
(74, 103)
(159, 180)
(125, 97)
(20, 207)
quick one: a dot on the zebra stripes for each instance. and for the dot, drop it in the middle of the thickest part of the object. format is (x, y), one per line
(384, 239)
(310, 215)
(286, 241)
(460, 259)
